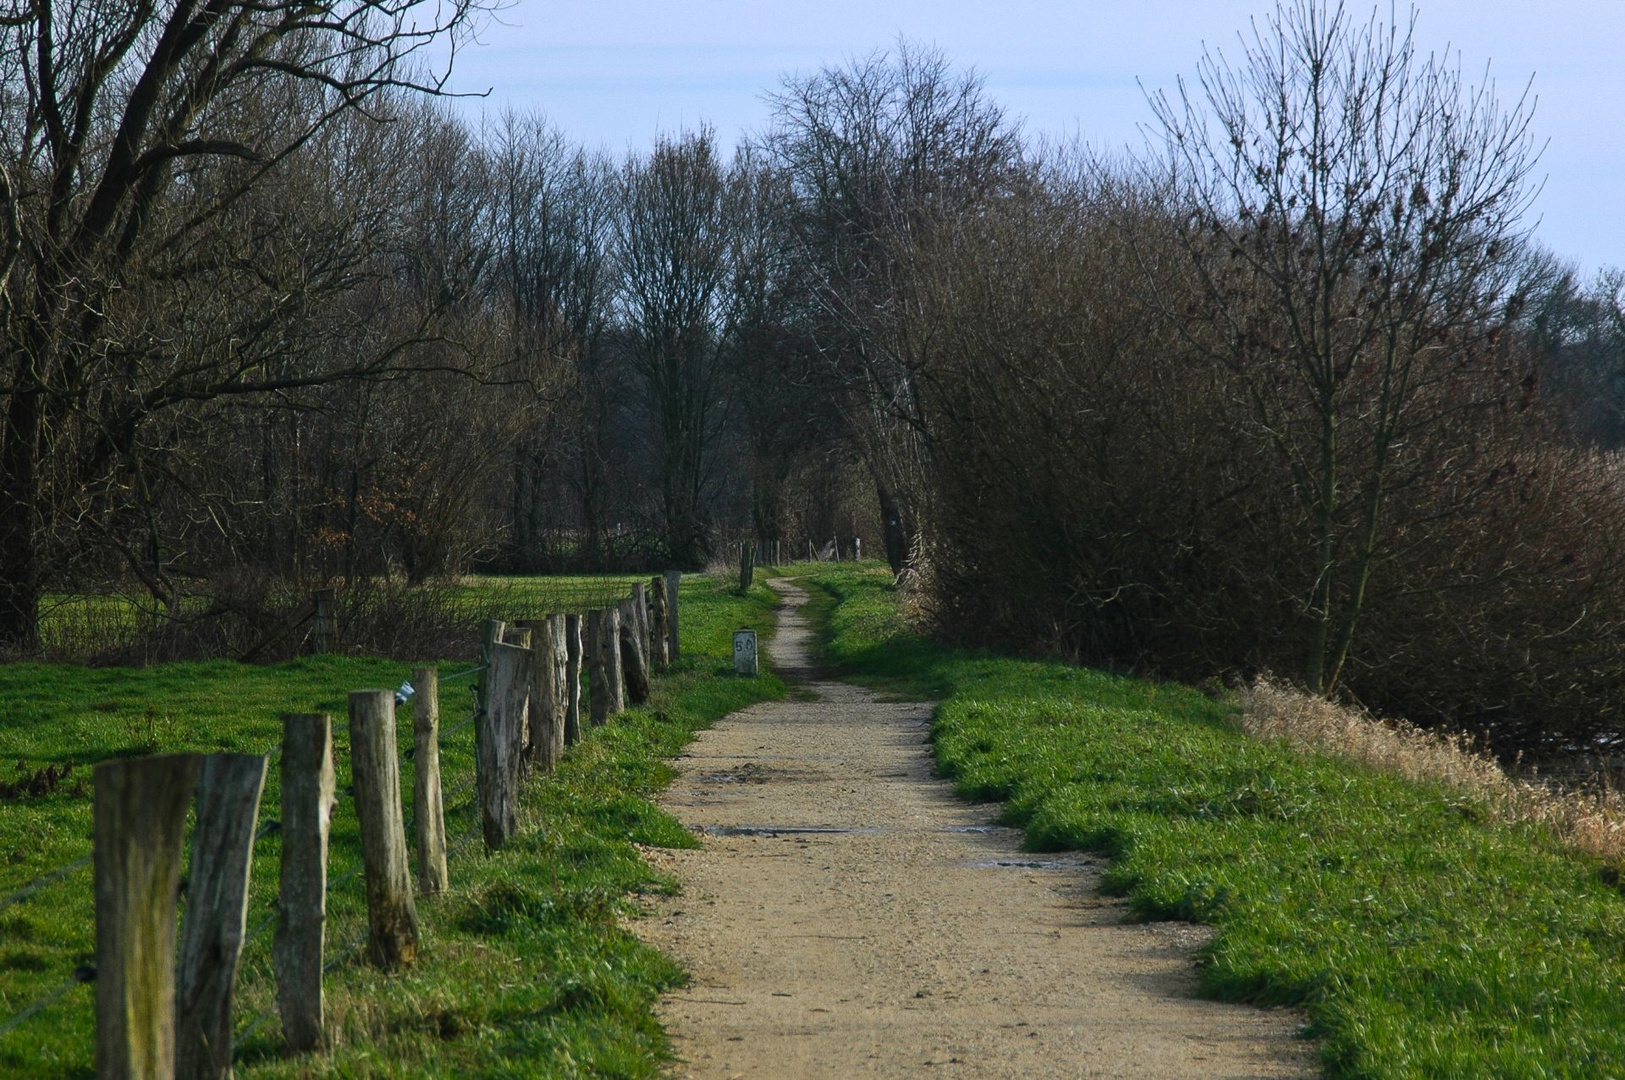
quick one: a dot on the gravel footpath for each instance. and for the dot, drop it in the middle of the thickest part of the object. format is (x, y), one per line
(849, 917)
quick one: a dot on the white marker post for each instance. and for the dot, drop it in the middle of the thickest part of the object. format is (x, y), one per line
(745, 652)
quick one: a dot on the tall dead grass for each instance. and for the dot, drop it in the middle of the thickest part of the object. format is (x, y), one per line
(1587, 817)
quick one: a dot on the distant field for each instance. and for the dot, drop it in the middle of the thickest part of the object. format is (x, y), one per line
(524, 957)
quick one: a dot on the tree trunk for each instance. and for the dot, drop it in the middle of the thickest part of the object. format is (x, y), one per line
(19, 513)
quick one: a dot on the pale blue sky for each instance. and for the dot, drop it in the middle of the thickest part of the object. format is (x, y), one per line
(616, 72)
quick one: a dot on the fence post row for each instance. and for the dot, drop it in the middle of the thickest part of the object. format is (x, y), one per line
(228, 807)
(498, 753)
(572, 684)
(392, 918)
(428, 802)
(140, 820)
(307, 816)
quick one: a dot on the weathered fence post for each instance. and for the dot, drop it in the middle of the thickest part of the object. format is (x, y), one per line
(857, 549)
(572, 677)
(324, 624)
(392, 917)
(307, 813)
(545, 697)
(604, 662)
(657, 618)
(518, 635)
(140, 822)
(633, 649)
(560, 664)
(747, 565)
(500, 731)
(428, 805)
(228, 806)
(674, 645)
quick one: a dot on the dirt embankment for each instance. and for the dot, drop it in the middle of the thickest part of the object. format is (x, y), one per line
(849, 917)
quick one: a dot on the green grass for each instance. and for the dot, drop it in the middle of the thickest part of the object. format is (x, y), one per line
(525, 969)
(1419, 940)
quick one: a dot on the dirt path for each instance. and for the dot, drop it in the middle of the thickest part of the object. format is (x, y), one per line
(849, 917)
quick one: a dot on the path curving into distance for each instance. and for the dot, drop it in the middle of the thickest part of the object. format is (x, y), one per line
(848, 916)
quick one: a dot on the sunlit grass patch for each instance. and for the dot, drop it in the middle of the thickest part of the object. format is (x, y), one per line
(1423, 934)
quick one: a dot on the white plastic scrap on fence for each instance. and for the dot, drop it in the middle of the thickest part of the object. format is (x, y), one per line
(404, 692)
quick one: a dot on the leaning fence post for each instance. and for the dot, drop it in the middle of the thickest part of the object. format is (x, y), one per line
(572, 679)
(633, 646)
(674, 648)
(140, 820)
(500, 730)
(392, 917)
(428, 807)
(228, 806)
(307, 813)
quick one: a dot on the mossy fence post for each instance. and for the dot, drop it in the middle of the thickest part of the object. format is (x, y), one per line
(139, 811)
(307, 816)
(229, 787)
(392, 918)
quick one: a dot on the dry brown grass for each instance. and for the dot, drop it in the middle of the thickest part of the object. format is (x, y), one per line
(1586, 817)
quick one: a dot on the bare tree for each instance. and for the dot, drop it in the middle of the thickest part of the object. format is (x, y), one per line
(128, 133)
(673, 251)
(873, 152)
(1351, 209)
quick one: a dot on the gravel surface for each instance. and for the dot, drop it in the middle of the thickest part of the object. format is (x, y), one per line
(848, 916)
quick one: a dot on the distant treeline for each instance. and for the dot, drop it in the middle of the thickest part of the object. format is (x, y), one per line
(1290, 388)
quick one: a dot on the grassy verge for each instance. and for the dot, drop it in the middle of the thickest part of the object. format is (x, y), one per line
(1421, 939)
(525, 969)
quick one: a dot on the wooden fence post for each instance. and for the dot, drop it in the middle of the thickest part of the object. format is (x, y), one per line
(604, 663)
(657, 619)
(324, 624)
(228, 807)
(674, 645)
(307, 813)
(140, 822)
(634, 644)
(500, 731)
(560, 663)
(392, 917)
(747, 565)
(614, 666)
(428, 804)
(545, 697)
(572, 677)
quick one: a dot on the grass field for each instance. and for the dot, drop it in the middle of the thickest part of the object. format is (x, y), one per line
(1420, 940)
(525, 970)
